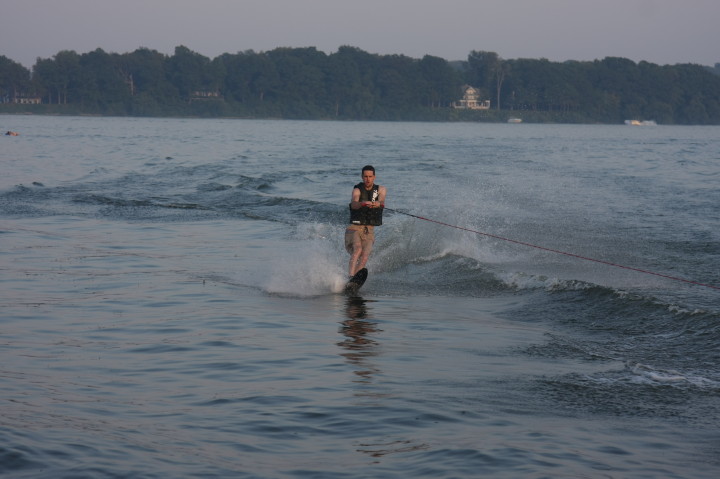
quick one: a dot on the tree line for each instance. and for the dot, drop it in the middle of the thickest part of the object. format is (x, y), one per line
(351, 84)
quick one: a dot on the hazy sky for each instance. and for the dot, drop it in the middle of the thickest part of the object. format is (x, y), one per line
(658, 31)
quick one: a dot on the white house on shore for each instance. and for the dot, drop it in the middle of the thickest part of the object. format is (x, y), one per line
(470, 100)
(21, 99)
(28, 100)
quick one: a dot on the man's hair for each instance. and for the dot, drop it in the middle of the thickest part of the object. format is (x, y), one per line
(368, 168)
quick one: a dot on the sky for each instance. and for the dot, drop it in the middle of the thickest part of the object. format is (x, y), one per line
(657, 31)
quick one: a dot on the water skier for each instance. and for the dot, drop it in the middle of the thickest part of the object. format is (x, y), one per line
(366, 208)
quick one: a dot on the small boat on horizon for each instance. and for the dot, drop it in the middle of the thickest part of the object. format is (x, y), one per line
(514, 120)
(640, 123)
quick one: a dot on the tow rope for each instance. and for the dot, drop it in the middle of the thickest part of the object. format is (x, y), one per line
(573, 255)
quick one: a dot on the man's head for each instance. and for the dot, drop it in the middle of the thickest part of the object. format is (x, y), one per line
(368, 176)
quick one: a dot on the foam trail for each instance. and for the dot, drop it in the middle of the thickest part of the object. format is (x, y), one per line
(307, 268)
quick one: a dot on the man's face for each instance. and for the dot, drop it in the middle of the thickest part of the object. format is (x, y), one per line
(368, 178)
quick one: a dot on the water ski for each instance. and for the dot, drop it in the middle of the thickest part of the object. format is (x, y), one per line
(354, 284)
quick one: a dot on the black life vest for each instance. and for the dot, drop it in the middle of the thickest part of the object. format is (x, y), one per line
(365, 215)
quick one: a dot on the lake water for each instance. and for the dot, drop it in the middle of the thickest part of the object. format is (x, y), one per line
(542, 302)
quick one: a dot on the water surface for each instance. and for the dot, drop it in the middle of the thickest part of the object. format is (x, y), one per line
(170, 308)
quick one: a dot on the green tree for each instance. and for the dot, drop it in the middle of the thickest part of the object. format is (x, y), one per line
(14, 80)
(190, 72)
(440, 81)
(397, 86)
(701, 91)
(265, 79)
(57, 75)
(238, 73)
(349, 78)
(144, 75)
(301, 72)
(101, 83)
(480, 70)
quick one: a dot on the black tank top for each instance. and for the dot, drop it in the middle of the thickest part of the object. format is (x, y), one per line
(365, 215)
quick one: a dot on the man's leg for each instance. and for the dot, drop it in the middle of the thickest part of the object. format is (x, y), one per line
(366, 249)
(353, 245)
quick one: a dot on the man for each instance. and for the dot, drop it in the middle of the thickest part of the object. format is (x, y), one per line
(366, 207)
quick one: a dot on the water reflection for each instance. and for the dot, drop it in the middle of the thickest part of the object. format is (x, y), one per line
(360, 346)
(359, 332)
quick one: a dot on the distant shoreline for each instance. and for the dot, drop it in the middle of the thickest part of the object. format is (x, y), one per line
(352, 84)
(502, 116)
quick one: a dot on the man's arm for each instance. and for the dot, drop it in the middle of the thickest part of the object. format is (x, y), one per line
(355, 202)
(381, 195)
(355, 199)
